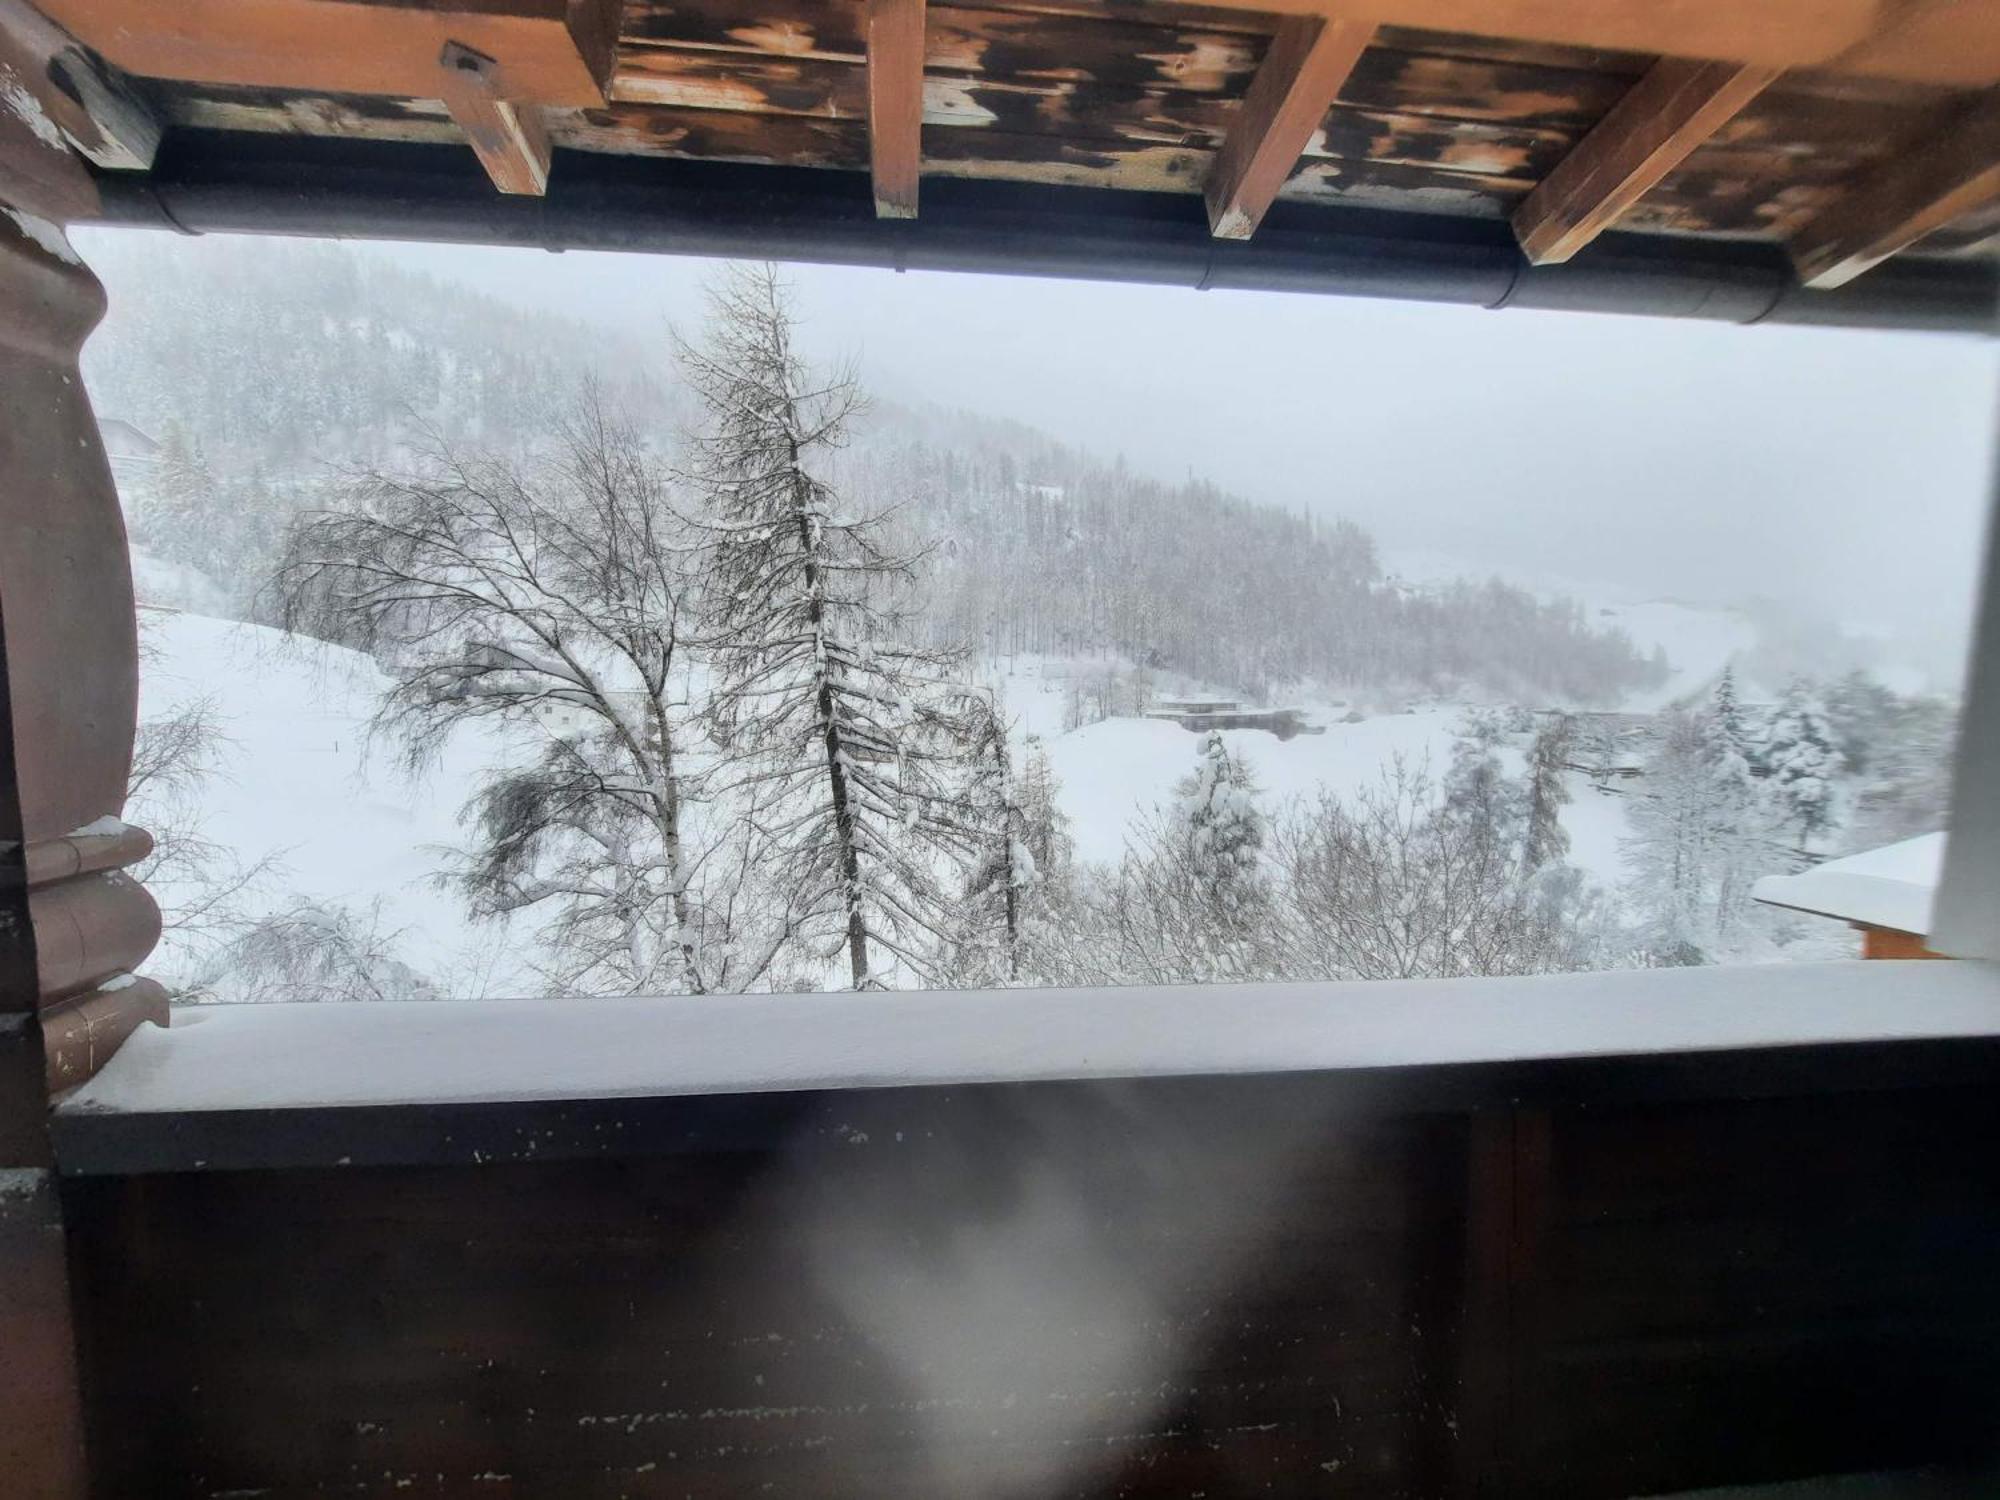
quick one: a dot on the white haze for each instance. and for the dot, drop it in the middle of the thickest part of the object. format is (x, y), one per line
(1842, 474)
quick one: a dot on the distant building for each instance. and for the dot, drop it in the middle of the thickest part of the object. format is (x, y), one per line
(563, 720)
(1203, 714)
(126, 444)
(1884, 893)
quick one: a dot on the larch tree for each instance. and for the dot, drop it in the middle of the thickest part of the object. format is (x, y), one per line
(824, 697)
(1670, 852)
(1045, 827)
(1478, 791)
(999, 880)
(1544, 840)
(542, 596)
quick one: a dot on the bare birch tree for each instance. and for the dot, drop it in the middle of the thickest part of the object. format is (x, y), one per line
(854, 735)
(543, 594)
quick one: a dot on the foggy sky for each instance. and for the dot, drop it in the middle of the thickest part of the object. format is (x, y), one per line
(1843, 472)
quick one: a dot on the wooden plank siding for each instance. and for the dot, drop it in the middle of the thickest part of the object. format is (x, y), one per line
(1081, 1290)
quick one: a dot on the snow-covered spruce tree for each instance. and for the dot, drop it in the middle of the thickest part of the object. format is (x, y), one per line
(1732, 730)
(540, 594)
(1220, 828)
(1801, 759)
(1740, 844)
(1191, 900)
(857, 735)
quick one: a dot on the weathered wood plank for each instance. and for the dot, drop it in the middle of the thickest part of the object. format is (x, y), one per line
(553, 51)
(1648, 133)
(807, 1320)
(96, 107)
(1294, 88)
(1953, 171)
(1940, 41)
(1083, 109)
(79, 1035)
(506, 133)
(895, 104)
(1947, 41)
(1078, 57)
(1419, 163)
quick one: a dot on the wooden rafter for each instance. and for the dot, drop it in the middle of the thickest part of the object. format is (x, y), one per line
(96, 108)
(1652, 130)
(554, 52)
(1949, 175)
(895, 104)
(506, 133)
(1953, 42)
(1308, 61)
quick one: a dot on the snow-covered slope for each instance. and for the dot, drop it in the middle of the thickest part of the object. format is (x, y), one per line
(295, 784)
(1698, 642)
(1124, 768)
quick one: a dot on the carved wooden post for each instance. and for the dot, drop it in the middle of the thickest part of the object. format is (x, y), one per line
(72, 924)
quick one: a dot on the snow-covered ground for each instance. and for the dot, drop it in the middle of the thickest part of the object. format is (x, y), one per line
(296, 784)
(1122, 768)
(1699, 643)
(299, 784)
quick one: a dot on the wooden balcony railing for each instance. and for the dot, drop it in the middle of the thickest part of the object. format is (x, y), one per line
(1601, 1235)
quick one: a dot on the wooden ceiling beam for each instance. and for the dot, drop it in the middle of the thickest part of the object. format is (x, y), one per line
(1954, 172)
(554, 52)
(1673, 109)
(506, 133)
(95, 106)
(1951, 42)
(895, 104)
(1308, 61)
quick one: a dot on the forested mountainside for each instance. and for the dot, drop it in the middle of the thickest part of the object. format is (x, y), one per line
(285, 355)
(1075, 558)
(271, 370)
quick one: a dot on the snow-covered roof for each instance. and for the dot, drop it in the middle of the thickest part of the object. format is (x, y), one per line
(1890, 887)
(123, 440)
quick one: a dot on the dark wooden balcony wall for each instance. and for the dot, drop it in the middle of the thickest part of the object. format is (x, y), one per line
(1595, 1279)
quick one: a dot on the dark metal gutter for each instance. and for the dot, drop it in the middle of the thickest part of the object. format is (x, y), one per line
(206, 182)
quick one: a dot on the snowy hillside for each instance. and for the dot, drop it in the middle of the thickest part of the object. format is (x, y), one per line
(1698, 644)
(297, 784)
(1123, 768)
(294, 784)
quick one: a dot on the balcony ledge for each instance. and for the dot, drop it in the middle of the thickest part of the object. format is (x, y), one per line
(473, 1081)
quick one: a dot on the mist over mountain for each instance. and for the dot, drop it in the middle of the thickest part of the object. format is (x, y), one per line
(268, 370)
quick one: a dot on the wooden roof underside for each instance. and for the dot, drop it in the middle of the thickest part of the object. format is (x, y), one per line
(1881, 145)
